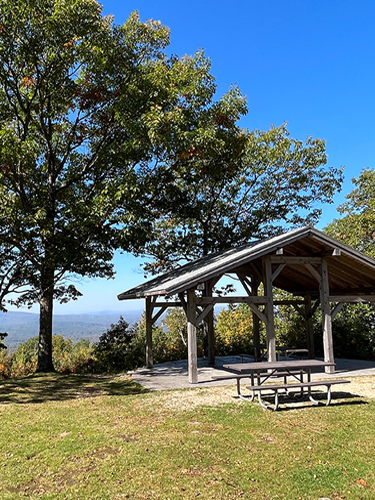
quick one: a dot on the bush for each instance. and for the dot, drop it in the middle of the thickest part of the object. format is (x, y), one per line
(119, 349)
(5, 364)
(234, 330)
(25, 359)
(353, 332)
(68, 357)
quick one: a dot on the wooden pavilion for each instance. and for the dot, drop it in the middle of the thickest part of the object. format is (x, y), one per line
(317, 269)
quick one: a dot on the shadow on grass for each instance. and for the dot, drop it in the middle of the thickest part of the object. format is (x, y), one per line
(292, 401)
(40, 388)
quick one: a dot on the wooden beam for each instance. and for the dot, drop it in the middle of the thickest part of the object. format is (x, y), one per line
(166, 303)
(326, 317)
(245, 283)
(337, 309)
(276, 259)
(313, 272)
(258, 313)
(260, 299)
(299, 310)
(277, 271)
(159, 313)
(231, 299)
(204, 313)
(352, 298)
(183, 302)
(315, 306)
(257, 273)
(192, 337)
(210, 325)
(288, 302)
(309, 326)
(270, 322)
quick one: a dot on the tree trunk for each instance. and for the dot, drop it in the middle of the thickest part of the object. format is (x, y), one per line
(45, 363)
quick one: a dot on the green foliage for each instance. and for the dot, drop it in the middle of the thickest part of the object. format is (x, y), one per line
(95, 118)
(174, 333)
(271, 181)
(68, 357)
(357, 226)
(73, 357)
(354, 332)
(24, 360)
(234, 330)
(353, 327)
(170, 339)
(5, 364)
(119, 348)
(290, 326)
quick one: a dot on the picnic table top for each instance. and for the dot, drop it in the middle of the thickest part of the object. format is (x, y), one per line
(275, 365)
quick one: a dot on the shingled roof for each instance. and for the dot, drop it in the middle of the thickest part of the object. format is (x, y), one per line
(350, 271)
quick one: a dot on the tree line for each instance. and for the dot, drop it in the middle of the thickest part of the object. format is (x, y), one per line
(108, 143)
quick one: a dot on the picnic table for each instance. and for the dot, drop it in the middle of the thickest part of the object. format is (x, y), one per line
(302, 353)
(260, 352)
(261, 372)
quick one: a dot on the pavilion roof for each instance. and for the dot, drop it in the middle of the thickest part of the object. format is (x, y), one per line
(350, 271)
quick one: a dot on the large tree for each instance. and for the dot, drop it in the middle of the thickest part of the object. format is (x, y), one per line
(356, 227)
(93, 116)
(279, 181)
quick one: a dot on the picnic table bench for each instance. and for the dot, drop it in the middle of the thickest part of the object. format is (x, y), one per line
(265, 376)
(260, 352)
(256, 371)
(277, 387)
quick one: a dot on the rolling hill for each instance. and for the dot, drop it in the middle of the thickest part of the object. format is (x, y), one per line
(20, 326)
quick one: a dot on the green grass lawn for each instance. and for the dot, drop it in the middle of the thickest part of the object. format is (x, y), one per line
(104, 437)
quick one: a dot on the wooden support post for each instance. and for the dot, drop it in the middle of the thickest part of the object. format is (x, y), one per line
(270, 325)
(326, 317)
(309, 327)
(192, 336)
(210, 330)
(149, 323)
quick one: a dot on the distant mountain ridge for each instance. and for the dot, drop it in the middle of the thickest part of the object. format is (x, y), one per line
(20, 325)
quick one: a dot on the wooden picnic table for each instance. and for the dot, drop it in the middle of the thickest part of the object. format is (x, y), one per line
(260, 372)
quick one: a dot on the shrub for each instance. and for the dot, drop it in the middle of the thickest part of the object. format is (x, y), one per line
(353, 332)
(24, 360)
(5, 364)
(68, 357)
(118, 348)
(234, 330)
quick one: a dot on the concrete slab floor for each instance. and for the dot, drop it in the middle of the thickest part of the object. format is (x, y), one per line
(174, 374)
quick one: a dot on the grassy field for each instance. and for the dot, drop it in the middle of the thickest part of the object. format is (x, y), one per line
(103, 437)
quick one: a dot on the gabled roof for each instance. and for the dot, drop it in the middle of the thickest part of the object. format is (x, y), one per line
(350, 272)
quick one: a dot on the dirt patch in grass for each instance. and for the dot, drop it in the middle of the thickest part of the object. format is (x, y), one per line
(188, 399)
(362, 386)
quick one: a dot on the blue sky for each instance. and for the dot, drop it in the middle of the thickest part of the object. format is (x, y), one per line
(308, 63)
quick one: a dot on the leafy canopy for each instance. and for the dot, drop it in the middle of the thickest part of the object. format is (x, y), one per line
(357, 226)
(276, 181)
(93, 117)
